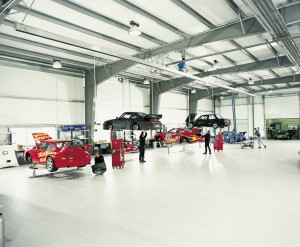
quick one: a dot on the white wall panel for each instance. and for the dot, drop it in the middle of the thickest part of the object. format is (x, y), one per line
(37, 98)
(259, 120)
(204, 105)
(34, 112)
(174, 108)
(33, 84)
(282, 107)
(114, 98)
(173, 100)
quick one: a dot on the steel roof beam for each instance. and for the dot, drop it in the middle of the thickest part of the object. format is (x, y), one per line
(280, 80)
(166, 85)
(194, 13)
(33, 65)
(7, 50)
(45, 46)
(100, 17)
(76, 27)
(159, 21)
(6, 8)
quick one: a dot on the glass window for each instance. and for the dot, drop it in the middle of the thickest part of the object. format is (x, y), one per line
(125, 115)
(218, 116)
(51, 147)
(44, 146)
(212, 117)
(204, 117)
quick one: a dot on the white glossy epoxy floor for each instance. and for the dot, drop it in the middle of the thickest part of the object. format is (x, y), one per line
(233, 198)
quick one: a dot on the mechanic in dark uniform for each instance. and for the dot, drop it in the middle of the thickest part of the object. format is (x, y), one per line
(207, 142)
(142, 146)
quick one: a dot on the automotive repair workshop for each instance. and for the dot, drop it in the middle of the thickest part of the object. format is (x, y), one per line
(159, 123)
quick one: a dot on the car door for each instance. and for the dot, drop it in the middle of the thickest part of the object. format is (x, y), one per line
(211, 120)
(40, 156)
(122, 121)
(202, 121)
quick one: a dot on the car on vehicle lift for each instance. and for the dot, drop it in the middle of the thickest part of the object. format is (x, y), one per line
(208, 120)
(181, 134)
(281, 134)
(134, 121)
(229, 136)
(57, 153)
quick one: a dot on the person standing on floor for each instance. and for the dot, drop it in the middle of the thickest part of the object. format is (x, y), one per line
(142, 146)
(207, 142)
(257, 133)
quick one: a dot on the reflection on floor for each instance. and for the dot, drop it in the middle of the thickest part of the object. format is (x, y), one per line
(235, 198)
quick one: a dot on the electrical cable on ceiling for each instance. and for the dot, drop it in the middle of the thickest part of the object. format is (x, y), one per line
(28, 11)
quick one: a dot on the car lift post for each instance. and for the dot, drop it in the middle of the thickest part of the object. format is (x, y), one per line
(234, 117)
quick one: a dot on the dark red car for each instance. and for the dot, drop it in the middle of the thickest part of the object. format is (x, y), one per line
(181, 134)
(57, 153)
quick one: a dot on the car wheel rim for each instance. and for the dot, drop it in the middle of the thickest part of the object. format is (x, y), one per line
(110, 127)
(28, 158)
(49, 164)
(215, 126)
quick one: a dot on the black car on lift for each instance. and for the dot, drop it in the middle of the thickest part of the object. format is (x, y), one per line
(134, 121)
(208, 120)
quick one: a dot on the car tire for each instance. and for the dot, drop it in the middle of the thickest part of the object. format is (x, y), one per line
(135, 126)
(215, 125)
(50, 165)
(158, 139)
(28, 158)
(190, 125)
(222, 126)
(110, 126)
(185, 140)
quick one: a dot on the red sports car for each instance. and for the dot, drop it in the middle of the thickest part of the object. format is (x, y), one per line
(57, 153)
(183, 135)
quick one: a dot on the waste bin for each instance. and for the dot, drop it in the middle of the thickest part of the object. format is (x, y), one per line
(154, 144)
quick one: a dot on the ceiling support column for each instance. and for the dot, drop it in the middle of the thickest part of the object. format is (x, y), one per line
(90, 102)
(155, 96)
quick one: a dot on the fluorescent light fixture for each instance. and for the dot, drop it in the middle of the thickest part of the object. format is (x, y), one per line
(56, 64)
(250, 81)
(222, 97)
(134, 29)
(146, 82)
(270, 91)
(257, 48)
(215, 63)
(193, 91)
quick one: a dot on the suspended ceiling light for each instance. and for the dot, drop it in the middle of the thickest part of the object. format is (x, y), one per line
(250, 81)
(215, 63)
(193, 91)
(270, 91)
(146, 82)
(222, 97)
(56, 64)
(134, 29)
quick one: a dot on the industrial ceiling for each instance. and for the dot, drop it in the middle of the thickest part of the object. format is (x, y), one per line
(249, 45)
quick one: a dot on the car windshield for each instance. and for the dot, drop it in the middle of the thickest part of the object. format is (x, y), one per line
(133, 115)
(72, 143)
(218, 116)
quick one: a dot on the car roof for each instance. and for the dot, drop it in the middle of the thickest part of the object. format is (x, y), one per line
(57, 140)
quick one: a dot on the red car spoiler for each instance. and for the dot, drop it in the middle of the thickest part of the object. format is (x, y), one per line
(39, 137)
